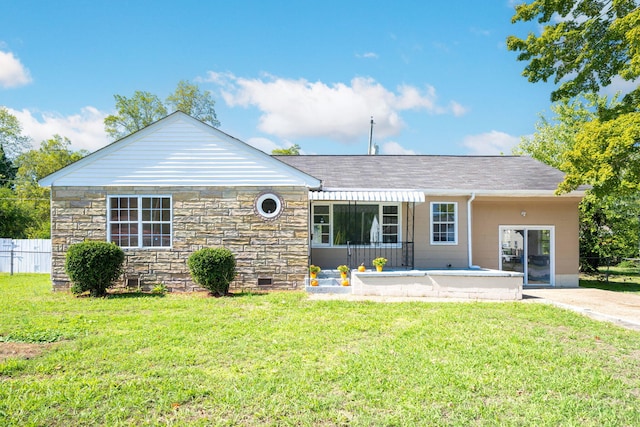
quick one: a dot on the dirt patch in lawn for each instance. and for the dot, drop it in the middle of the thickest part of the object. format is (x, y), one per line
(22, 350)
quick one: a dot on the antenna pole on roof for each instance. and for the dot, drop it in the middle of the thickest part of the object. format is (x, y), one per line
(371, 150)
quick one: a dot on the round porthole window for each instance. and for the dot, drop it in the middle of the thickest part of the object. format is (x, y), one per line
(269, 205)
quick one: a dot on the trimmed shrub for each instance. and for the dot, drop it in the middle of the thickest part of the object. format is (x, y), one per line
(213, 269)
(93, 266)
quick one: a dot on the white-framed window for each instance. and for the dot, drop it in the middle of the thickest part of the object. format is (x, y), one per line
(336, 224)
(321, 225)
(444, 223)
(140, 221)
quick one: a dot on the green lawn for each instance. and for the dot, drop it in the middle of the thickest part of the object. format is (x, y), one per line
(624, 278)
(280, 359)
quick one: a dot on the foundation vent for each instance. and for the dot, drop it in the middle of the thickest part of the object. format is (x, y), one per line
(265, 281)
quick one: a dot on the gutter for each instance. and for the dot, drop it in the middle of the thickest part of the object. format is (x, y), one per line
(469, 232)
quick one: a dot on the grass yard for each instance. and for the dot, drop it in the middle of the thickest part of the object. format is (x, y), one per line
(280, 359)
(622, 278)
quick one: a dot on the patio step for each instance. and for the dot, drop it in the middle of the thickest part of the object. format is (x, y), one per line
(328, 283)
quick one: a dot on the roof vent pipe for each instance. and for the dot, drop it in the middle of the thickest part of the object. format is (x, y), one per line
(372, 148)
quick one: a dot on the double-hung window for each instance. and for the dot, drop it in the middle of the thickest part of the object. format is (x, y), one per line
(337, 224)
(140, 221)
(321, 225)
(444, 223)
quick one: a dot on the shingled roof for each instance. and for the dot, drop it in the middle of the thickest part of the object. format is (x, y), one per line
(491, 174)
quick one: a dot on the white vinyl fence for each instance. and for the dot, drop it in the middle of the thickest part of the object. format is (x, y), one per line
(25, 256)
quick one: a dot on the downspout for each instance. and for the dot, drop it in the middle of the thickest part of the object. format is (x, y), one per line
(469, 232)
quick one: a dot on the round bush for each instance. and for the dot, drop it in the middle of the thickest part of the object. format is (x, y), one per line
(93, 266)
(213, 269)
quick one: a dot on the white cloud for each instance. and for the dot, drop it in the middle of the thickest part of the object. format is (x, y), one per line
(493, 142)
(12, 72)
(457, 109)
(263, 144)
(480, 31)
(618, 84)
(85, 130)
(367, 55)
(299, 108)
(393, 147)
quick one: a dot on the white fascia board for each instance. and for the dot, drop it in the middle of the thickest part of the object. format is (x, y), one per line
(460, 192)
(503, 193)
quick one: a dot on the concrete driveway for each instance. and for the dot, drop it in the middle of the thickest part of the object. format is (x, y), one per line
(620, 308)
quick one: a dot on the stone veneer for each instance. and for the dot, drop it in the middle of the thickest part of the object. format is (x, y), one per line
(202, 217)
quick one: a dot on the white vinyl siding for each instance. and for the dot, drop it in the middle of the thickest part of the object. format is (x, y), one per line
(180, 151)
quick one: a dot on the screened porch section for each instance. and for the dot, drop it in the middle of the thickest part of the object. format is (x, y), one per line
(367, 225)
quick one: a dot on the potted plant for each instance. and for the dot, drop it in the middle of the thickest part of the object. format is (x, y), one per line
(343, 269)
(313, 271)
(379, 263)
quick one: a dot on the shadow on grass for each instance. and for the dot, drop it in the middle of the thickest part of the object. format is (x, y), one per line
(125, 295)
(616, 286)
(136, 294)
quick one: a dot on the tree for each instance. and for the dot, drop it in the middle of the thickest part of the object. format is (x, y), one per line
(606, 155)
(555, 137)
(15, 218)
(583, 45)
(7, 169)
(12, 142)
(33, 165)
(144, 108)
(608, 219)
(190, 100)
(134, 113)
(294, 150)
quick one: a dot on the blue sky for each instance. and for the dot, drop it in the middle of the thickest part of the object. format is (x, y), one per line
(436, 76)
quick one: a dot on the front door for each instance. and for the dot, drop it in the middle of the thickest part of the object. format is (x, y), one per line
(528, 250)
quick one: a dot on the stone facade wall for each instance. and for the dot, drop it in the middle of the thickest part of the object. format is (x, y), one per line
(275, 251)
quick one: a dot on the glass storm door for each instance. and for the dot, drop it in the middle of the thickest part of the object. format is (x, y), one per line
(528, 250)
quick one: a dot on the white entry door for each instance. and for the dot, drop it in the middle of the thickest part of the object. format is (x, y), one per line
(528, 250)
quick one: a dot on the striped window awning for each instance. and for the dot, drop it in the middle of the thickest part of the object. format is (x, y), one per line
(369, 196)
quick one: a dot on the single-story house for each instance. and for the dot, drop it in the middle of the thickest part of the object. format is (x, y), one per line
(179, 185)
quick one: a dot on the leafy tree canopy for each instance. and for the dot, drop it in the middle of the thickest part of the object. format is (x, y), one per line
(608, 216)
(53, 154)
(190, 100)
(294, 150)
(15, 217)
(7, 169)
(134, 113)
(554, 137)
(33, 165)
(606, 155)
(584, 44)
(144, 108)
(12, 142)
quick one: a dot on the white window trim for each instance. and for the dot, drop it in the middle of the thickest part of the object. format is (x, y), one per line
(269, 215)
(552, 248)
(140, 197)
(455, 223)
(380, 213)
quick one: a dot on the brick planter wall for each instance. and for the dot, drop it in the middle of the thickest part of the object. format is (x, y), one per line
(275, 251)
